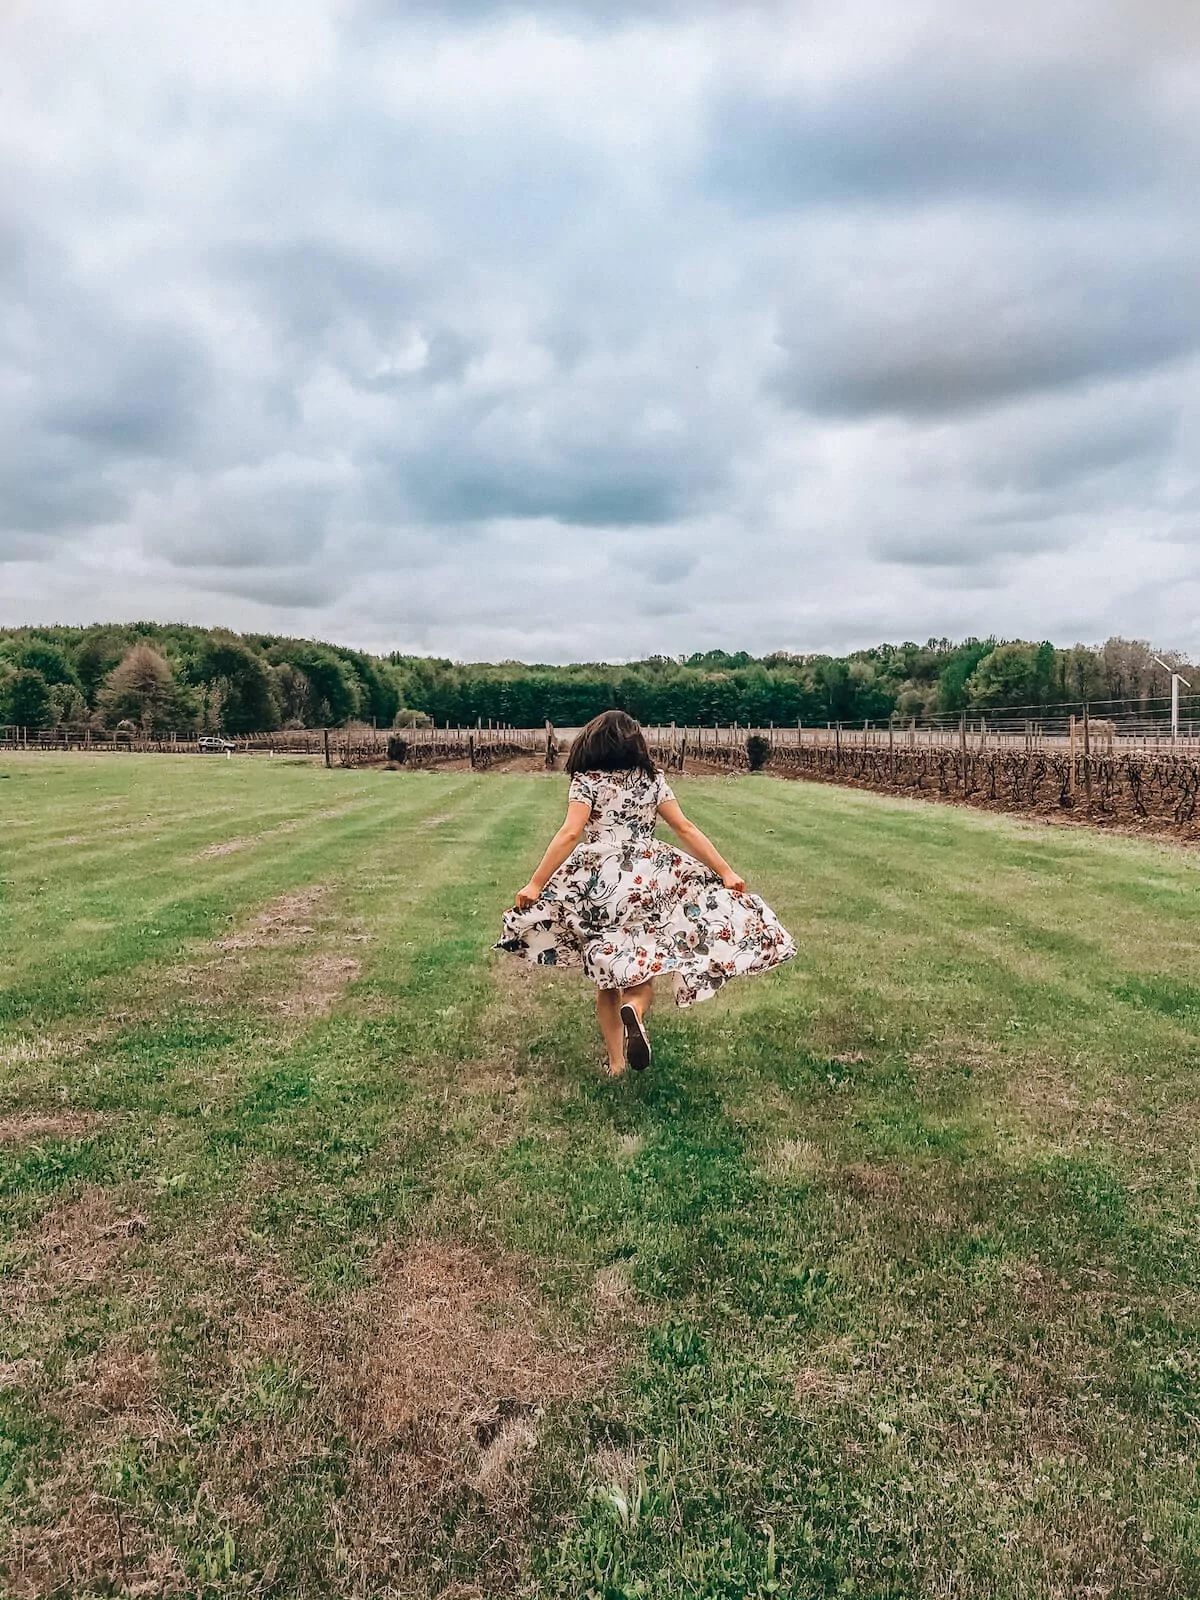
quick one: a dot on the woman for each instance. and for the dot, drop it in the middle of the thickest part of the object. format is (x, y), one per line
(610, 897)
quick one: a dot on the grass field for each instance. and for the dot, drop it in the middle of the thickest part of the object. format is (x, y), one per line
(332, 1268)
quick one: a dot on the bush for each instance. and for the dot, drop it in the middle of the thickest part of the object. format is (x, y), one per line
(397, 749)
(758, 751)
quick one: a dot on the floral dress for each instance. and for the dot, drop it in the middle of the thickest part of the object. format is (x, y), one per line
(626, 907)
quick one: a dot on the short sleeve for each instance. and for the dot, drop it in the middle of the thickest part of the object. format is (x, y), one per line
(665, 791)
(582, 790)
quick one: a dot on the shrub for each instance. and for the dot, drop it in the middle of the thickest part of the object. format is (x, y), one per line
(758, 751)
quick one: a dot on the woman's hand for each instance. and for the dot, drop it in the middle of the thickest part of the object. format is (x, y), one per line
(734, 881)
(528, 896)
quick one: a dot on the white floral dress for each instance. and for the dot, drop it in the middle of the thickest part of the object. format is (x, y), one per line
(625, 907)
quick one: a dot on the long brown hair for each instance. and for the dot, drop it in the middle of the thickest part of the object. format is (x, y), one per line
(611, 742)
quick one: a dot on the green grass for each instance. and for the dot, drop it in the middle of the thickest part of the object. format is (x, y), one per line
(330, 1266)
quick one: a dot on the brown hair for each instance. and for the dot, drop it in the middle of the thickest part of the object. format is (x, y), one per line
(611, 742)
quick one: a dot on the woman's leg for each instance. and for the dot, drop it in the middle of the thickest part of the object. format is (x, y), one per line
(608, 1014)
(639, 996)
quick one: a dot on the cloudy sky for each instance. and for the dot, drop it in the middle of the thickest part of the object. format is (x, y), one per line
(593, 328)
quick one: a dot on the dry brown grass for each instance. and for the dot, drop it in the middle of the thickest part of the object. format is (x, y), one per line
(866, 1181)
(433, 1383)
(226, 847)
(316, 985)
(284, 920)
(80, 1239)
(29, 1127)
(270, 961)
(459, 1336)
(438, 1377)
(34, 1049)
(794, 1158)
(89, 1545)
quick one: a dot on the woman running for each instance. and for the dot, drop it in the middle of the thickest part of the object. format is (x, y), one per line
(610, 897)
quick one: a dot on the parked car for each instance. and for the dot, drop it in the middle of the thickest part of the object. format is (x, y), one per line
(211, 745)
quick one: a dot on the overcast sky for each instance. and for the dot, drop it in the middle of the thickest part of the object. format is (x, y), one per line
(573, 330)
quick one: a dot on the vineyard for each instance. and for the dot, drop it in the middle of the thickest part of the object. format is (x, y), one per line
(1111, 787)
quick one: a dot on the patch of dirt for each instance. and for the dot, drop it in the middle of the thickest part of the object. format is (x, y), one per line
(119, 1380)
(1044, 813)
(77, 1243)
(227, 847)
(25, 1127)
(85, 1545)
(317, 984)
(283, 921)
(461, 1336)
(535, 762)
(868, 1182)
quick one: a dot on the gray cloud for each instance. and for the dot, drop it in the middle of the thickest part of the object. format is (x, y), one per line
(941, 316)
(562, 330)
(940, 124)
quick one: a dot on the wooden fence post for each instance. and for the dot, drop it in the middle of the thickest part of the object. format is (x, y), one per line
(1071, 746)
(328, 762)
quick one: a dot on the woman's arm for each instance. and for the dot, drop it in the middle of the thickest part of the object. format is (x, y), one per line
(700, 845)
(557, 851)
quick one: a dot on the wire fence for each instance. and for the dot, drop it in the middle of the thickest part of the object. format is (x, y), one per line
(1107, 769)
(1147, 730)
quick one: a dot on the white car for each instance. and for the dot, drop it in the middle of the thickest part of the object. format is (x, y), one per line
(211, 745)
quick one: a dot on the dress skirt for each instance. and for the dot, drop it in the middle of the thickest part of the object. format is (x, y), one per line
(628, 909)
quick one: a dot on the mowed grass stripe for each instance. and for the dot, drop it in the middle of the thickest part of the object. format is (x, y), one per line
(291, 1081)
(957, 924)
(147, 917)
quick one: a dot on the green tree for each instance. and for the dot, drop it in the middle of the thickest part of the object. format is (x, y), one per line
(245, 682)
(69, 704)
(1009, 675)
(294, 693)
(25, 699)
(48, 660)
(952, 680)
(98, 651)
(335, 691)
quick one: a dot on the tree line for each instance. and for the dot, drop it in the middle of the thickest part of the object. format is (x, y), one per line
(157, 678)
